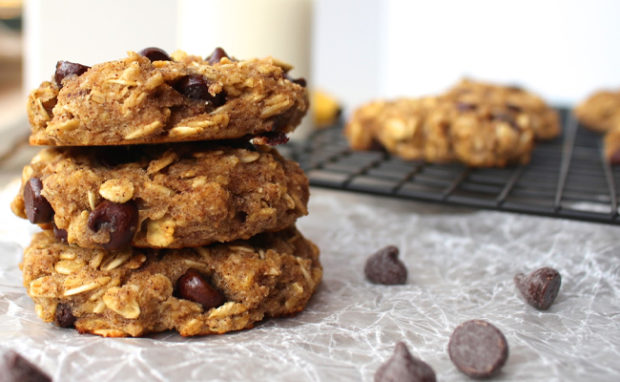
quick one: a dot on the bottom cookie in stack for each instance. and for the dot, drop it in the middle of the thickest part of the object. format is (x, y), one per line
(212, 289)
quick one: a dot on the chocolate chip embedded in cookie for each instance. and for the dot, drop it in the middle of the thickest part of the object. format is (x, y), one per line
(161, 196)
(155, 98)
(196, 291)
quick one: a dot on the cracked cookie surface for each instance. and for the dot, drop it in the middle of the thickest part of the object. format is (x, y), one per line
(478, 124)
(136, 291)
(187, 98)
(161, 196)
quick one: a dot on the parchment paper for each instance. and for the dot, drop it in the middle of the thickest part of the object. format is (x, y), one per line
(461, 265)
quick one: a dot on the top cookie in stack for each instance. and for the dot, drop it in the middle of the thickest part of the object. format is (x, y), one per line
(154, 98)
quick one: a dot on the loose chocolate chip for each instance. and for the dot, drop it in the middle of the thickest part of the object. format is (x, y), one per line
(216, 56)
(192, 286)
(384, 267)
(120, 220)
(59, 233)
(38, 209)
(16, 368)
(65, 69)
(155, 54)
(402, 366)
(539, 288)
(465, 106)
(64, 316)
(478, 349)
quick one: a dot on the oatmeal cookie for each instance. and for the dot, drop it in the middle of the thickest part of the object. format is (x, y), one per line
(543, 119)
(436, 129)
(156, 98)
(196, 291)
(161, 196)
(601, 111)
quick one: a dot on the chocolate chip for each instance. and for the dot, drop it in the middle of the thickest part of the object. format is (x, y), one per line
(192, 286)
(614, 158)
(120, 220)
(194, 86)
(64, 316)
(539, 288)
(59, 233)
(38, 209)
(505, 117)
(465, 106)
(155, 54)
(384, 267)
(402, 366)
(16, 368)
(478, 349)
(513, 107)
(65, 69)
(300, 81)
(216, 56)
(271, 139)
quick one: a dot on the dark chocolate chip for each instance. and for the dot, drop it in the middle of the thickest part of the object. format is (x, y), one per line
(193, 86)
(466, 106)
(402, 366)
(505, 117)
(120, 220)
(16, 368)
(65, 69)
(64, 316)
(193, 286)
(614, 158)
(478, 349)
(155, 54)
(216, 56)
(513, 107)
(59, 233)
(38, 209)
(271, 139)
(539, 288)
(300, 81)
(384, 267)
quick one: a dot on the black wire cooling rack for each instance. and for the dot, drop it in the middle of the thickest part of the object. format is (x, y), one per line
(566, 178)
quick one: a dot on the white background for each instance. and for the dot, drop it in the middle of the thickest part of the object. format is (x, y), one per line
(364, 49)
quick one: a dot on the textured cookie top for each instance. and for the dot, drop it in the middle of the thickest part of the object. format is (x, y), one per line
(476, 123)
(161, 196)
(186, 98)
(213, 289)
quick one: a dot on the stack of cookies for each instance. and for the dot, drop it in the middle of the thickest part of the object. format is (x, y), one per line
(161, 202)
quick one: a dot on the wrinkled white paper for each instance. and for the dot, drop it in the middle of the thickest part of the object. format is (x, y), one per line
(461, 265)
